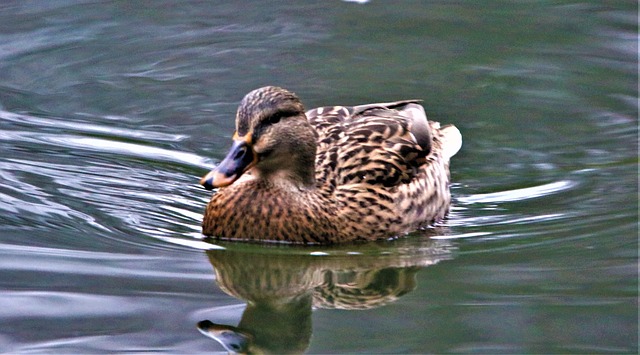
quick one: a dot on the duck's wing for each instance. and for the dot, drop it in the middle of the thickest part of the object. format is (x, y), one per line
(379, 144)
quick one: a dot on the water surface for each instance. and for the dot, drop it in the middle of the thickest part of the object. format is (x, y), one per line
(111, 111)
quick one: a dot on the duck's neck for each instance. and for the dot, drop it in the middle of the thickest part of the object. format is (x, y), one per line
(305, 170)
(296, 171)
(287, 179)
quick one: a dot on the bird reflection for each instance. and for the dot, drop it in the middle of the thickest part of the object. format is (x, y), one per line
(282, 285)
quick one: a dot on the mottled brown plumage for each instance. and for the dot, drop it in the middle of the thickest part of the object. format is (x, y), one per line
(330, 175)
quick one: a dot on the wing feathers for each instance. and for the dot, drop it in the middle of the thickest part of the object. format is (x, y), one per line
(382, 143)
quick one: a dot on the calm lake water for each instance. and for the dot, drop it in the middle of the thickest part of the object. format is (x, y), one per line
(110, 112)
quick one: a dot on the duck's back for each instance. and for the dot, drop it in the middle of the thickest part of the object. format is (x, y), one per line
(385, 160)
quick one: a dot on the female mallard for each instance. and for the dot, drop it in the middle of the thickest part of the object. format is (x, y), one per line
(330, 175)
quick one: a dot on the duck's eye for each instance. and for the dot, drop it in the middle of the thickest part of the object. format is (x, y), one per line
(275, 118)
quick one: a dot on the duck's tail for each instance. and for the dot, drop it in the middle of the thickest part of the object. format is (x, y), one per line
(451, 141)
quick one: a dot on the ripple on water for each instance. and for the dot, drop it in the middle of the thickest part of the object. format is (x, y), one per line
(519, 194)
(551, 211)
(125, 185)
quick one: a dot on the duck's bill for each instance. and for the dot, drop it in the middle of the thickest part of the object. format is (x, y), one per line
(233, 339)
(239, 159)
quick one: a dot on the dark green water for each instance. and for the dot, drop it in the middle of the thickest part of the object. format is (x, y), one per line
(111, 111)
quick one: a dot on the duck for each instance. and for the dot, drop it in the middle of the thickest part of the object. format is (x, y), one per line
(330, 174)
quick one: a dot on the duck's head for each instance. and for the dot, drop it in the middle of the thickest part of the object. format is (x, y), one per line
(273, 139)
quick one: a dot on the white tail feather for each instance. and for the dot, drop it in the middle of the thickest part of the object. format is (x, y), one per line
(451, 141)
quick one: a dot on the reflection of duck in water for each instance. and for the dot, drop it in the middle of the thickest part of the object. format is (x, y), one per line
(330, 175)
(281, 289)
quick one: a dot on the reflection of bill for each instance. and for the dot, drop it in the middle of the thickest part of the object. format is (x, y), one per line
(282, 285)
(233, 339)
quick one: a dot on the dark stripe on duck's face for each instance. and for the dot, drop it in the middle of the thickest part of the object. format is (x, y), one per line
(240, 158)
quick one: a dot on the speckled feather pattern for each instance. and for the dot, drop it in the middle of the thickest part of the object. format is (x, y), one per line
(374, 179)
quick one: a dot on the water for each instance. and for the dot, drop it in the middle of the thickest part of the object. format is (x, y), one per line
(111, 111)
